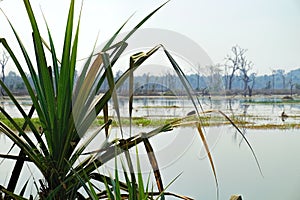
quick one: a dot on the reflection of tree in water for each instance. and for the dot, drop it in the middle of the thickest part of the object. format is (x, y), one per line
(244, 119)
(154, 89)
(146, 105)
(230, 106)
(241, 118)
(245, 109)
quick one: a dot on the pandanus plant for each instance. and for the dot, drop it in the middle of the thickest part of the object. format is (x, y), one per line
(66, 108)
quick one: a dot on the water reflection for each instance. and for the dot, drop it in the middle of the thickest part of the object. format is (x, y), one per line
(237, 172)
(254, 111)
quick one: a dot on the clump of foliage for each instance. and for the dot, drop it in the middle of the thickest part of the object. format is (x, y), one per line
(66, 109)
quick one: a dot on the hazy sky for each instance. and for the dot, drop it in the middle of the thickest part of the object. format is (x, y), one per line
(269, 29)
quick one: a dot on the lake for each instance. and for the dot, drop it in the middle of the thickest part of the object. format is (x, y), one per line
(181, 150)
(237, 172)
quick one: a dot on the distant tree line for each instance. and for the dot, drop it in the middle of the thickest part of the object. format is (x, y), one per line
(214, 82)
(204, 84)
(234, 76)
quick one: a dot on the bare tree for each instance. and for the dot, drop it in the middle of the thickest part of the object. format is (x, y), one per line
(214, 77)
(291, 84)
(237, 62)
(251, 84)
(245, 66)
(3, 62)
(233, 64)
(147, 83)
(198, 78)
(281, 72)
(273, 80)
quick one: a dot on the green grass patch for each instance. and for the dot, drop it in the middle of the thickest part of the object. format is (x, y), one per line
(20, 122)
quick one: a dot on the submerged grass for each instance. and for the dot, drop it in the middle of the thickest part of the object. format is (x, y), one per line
(272, 101)
(274, 126)
(207, 121)
(173, 106)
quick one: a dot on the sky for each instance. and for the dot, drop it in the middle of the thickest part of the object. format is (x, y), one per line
(268, 29)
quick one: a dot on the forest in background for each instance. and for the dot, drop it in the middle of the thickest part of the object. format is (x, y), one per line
(236, 76)
(278, 82)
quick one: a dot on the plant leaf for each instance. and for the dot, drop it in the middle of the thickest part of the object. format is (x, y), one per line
(154, 164)
(199, 128)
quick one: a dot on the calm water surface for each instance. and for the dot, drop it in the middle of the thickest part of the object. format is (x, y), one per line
(237, 172)
(181, 151)
(166, 107)
(277, 151)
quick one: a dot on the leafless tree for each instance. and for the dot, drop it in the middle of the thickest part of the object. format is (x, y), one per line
(282, 74)
(251, 84)
(215, 78)
(273, 80)
(232, 64)
(3, 62)
(291, 84)
(198, 78)
(236, 62)
(147, 82)
(245, 67)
